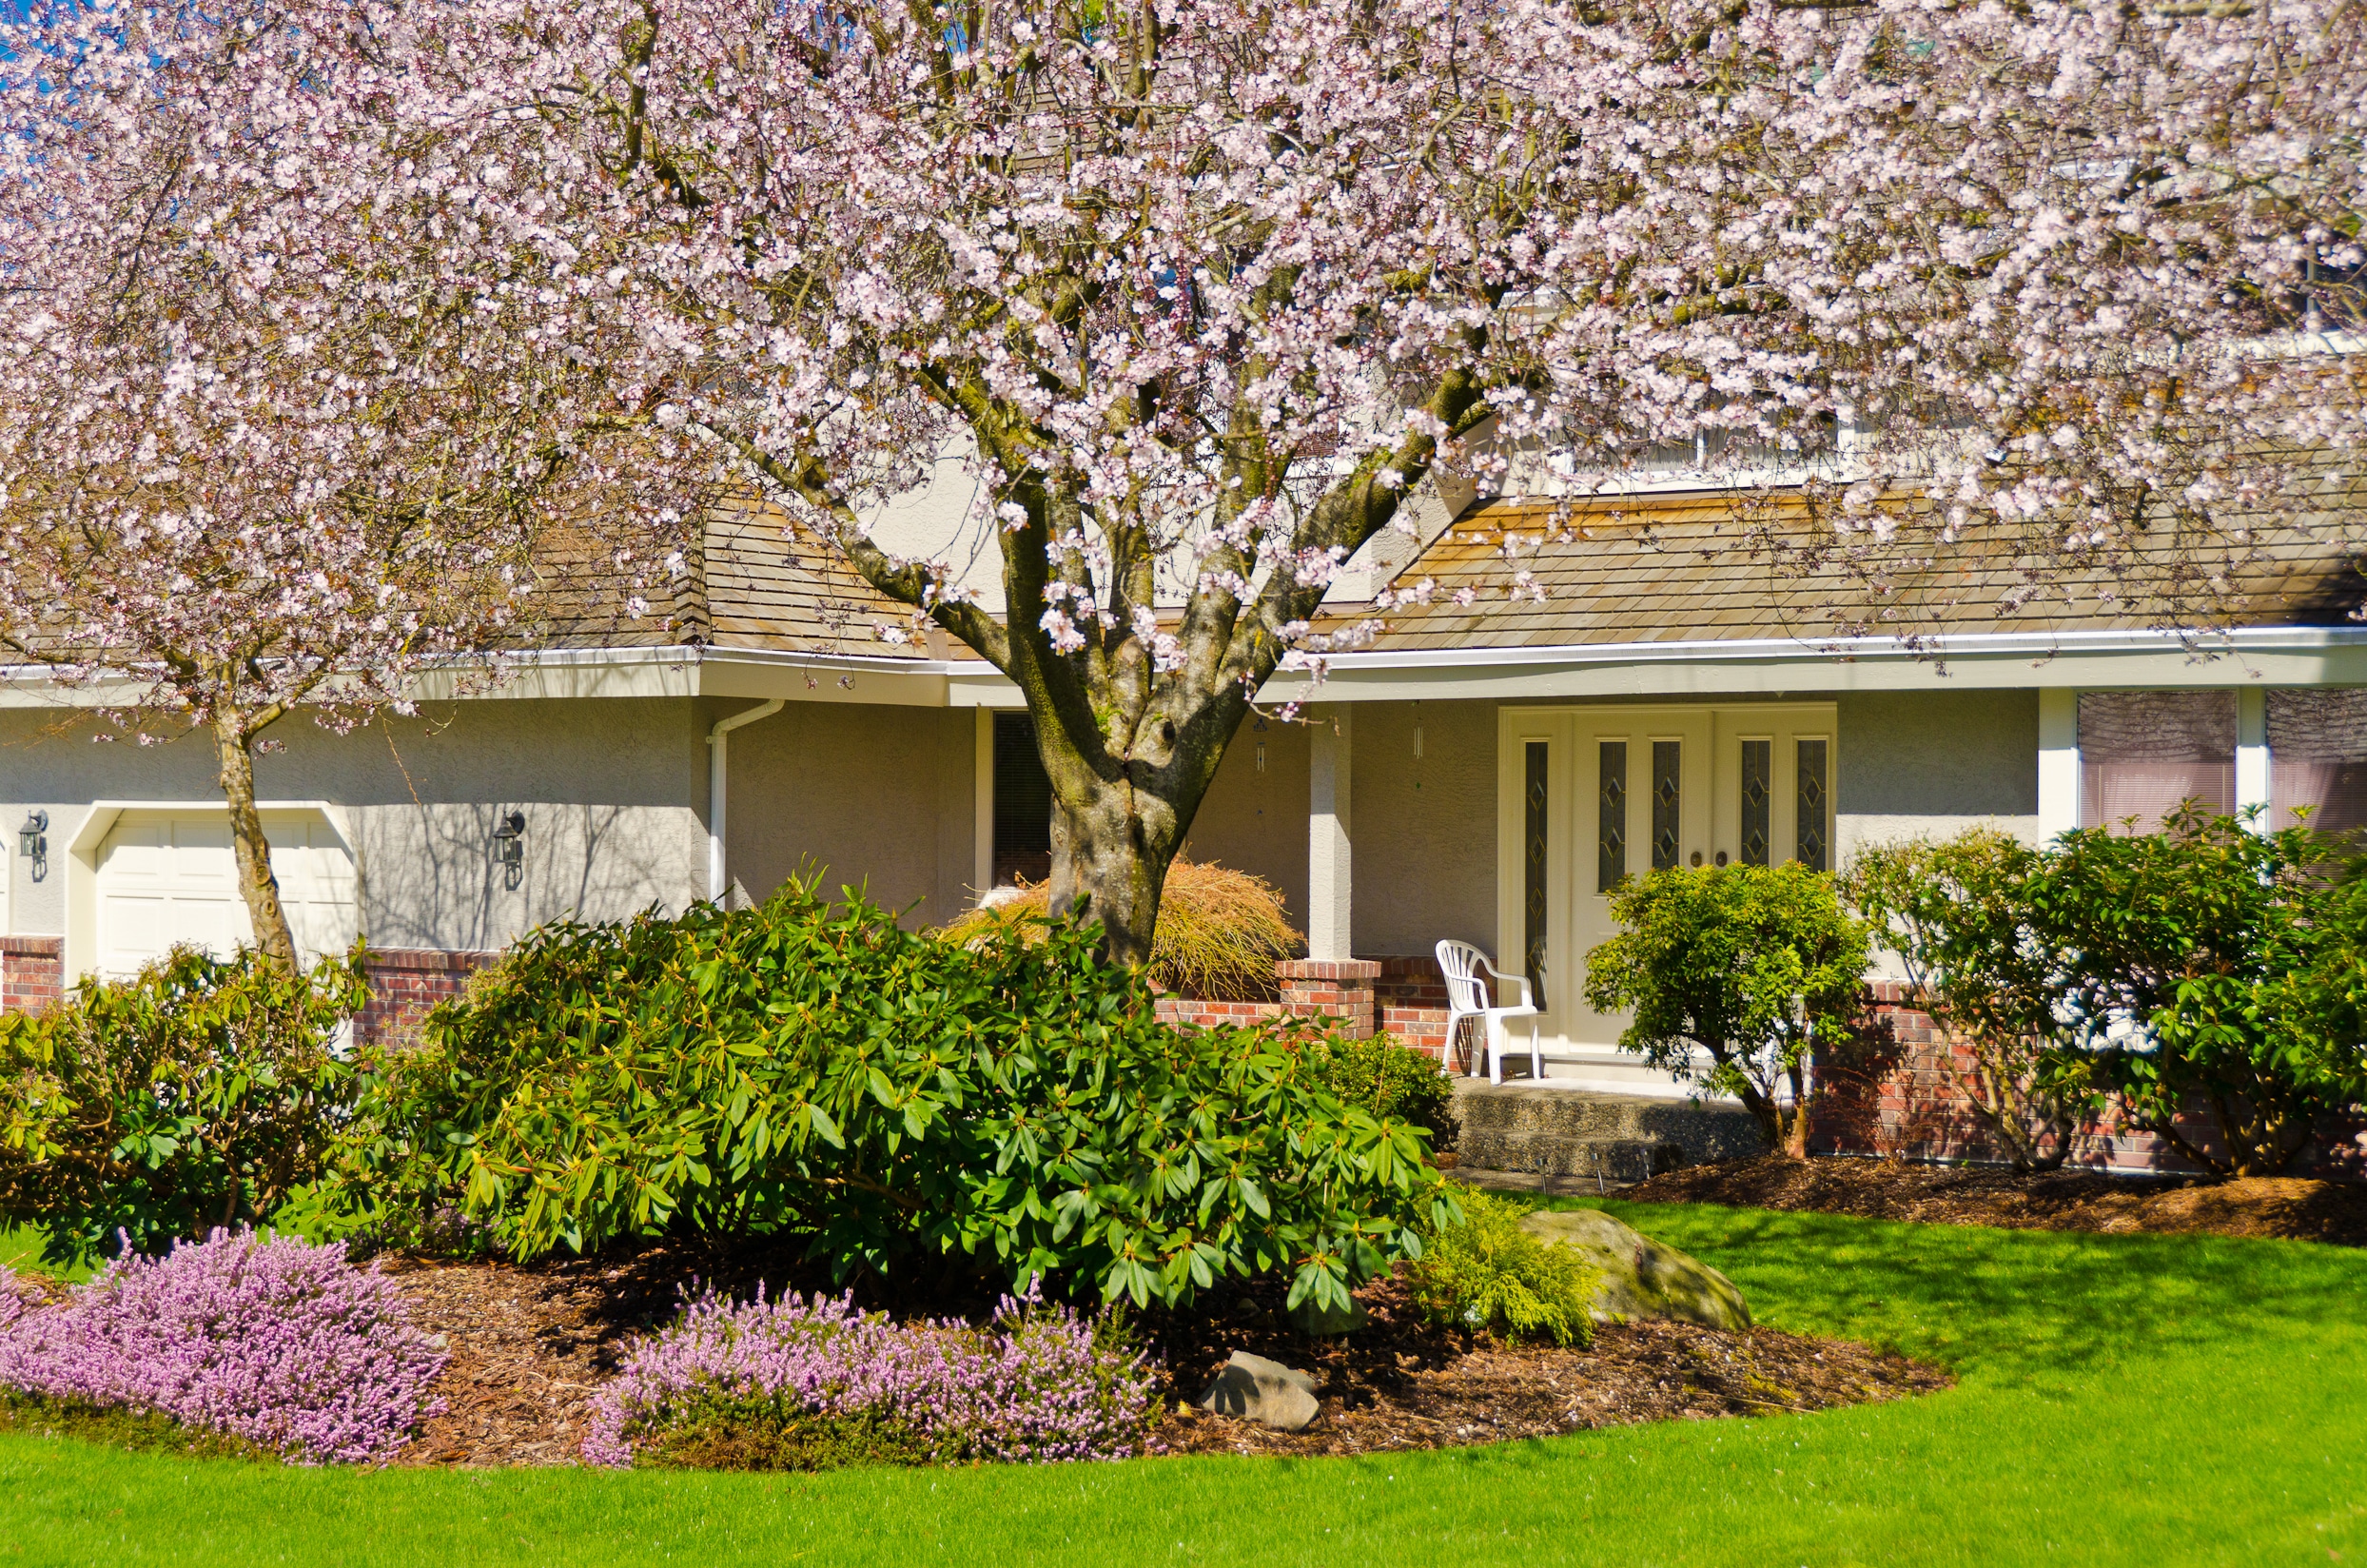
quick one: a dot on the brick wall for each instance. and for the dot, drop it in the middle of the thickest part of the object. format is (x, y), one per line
(33, 972)
(405, 983)
(1200, 1014)
(1331, 988)
(1410, 996)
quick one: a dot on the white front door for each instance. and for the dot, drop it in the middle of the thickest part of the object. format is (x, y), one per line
(1591, 796)
(168, 878)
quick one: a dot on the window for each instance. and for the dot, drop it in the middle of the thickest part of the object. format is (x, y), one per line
(1758, 798)
(1811, 837)
(1023, 803)
(1667, 766)
(2142, 753)
(2318, 758)
(1610, 818)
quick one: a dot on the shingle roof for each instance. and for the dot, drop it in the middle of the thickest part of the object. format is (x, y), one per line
(753, 579)
(1709, 566)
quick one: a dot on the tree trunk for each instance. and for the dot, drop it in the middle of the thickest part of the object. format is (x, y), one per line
(1796, 1128)
(256, 884)
(1112, 847)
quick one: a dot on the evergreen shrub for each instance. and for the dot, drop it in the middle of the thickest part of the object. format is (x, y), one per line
(1392, 1080)
(198, 1093)
(1010, 1103)
(1487, 1274)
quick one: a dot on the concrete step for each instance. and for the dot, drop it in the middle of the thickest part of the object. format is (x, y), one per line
(1614, 1160)
(1529, 1116)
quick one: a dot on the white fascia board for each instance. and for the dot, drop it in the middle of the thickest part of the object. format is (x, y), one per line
(644, 672)
(2266, 656)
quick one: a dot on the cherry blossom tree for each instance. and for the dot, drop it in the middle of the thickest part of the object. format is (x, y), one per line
(1211, 288)
(293, 376)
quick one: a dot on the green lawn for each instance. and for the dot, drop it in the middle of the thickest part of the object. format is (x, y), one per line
(2139, 1400)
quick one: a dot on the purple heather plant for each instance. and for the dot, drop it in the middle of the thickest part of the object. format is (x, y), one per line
(282, 1342)
(1034, 1386)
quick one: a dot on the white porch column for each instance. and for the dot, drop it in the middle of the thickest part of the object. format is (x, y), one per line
(1328, 832)
(2058, 761)
(2252, 762)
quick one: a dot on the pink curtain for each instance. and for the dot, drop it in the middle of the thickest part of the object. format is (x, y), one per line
(2143, 753)
(2336, 791)
(2150, 791)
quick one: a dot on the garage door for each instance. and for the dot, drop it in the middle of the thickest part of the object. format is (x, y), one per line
(167, 879)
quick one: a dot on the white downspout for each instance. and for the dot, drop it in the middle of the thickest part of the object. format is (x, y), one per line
(719, 785)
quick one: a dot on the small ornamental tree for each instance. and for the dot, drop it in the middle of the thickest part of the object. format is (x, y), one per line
(292, 373)
(1204, 291)
(1719, 958)
(1959, 915)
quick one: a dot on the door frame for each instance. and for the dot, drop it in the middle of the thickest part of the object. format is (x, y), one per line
(90, 837)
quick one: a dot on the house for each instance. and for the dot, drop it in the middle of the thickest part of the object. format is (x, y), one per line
(1672, 693)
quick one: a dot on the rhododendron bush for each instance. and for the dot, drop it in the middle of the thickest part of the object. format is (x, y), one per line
(815, 1384)
(279, 1342)
(1206, 293)
(895, 1102)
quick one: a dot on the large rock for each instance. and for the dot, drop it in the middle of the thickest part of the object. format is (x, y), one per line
(1642, 1278)
(1252, 1388)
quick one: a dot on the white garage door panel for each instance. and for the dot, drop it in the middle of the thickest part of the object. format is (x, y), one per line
(164, 879)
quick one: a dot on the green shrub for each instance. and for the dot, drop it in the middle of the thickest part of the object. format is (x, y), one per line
(1959, 915)
(1390, 1080)
(1219, 936)
(813, 1069)
(1713, 957)
(2209, 964)
(198, 1093)
(1488, 1273)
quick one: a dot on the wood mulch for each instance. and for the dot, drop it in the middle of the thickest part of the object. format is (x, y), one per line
(1399, 1384)
(2289, 1207)
(529, 1345)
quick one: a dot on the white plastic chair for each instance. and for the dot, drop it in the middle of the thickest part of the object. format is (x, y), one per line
(1467, 997)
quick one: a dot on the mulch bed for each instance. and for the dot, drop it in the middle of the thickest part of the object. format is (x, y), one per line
(2289, 1207)
(530, 1345)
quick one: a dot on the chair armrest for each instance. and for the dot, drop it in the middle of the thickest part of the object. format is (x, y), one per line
(1520, 980)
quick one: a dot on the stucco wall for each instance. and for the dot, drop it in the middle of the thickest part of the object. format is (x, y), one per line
(614, 793)
(1257, 821)
(1933, 763)
(877, 796)
(1424, 829)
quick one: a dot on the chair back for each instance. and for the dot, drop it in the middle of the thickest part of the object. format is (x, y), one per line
(1459, 962)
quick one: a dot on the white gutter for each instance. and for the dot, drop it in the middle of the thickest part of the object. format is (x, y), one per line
(719, 786)
(1957, 645)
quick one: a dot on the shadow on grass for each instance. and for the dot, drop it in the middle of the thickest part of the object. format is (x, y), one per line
(2009, 1306)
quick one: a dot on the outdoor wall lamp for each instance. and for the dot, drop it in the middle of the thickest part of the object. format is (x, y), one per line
(34, 838)
(509, 849)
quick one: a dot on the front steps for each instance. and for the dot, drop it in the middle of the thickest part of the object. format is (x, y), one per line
(1606, 1138)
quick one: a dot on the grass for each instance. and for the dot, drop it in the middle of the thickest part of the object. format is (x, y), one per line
(2133, 1399)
